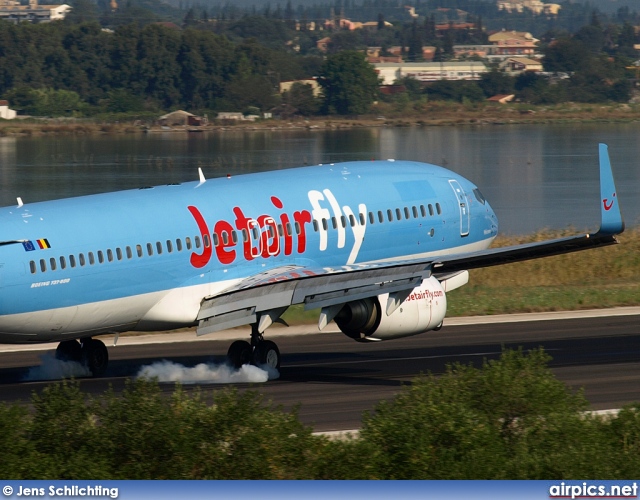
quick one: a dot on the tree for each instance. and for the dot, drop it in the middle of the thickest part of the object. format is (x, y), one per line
(446, 90)
(349, 83)
(415, 43)
(496, 82)
(510, 419)
(301, 97)
(50, 102)
(565, 54)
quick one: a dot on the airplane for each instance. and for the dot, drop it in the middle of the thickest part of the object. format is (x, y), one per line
(374, 245)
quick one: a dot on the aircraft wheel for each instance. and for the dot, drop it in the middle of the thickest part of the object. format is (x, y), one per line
(267, 353)
(69, 350)
(239, 353)
(95, 356)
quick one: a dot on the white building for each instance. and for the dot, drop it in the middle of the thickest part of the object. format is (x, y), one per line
(13, 11)
(430, 72)
(5, 112)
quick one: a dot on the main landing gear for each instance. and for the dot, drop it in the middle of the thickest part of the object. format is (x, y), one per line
(92, 353)
(257, 352)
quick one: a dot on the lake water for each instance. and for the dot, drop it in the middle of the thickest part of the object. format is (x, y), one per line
(535, 176)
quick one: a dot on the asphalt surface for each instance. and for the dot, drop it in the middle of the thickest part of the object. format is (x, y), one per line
(333, 380)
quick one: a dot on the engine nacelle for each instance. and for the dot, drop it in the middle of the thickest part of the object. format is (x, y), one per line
(366, 320)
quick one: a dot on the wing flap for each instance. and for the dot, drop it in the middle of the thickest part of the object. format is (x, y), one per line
(317, 288)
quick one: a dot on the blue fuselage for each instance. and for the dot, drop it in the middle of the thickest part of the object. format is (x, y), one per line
(143, 259)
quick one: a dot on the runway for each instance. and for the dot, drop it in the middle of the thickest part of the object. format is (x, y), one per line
(334, 379)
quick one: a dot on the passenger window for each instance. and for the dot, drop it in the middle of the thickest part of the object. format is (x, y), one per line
(362, 219)
(32, 267)
(119, 253)
(245, 235)
(139, 250)
(324, 224)
(315, 225)
(225, 238)
(129, 253)
(109, 255)
(438, 209)
(216, 240)
(352, 220)
(380, 217)
(398, 214)
(43, 265)
(423, 211)
(430, 209)
(149, 249)
(371, 218)
(100, 257)
(159, 247)
(81, 259)
(343, 219)
(52, 263)
(92, 259)
(415, 212)
(72, 260)
(390, 215)
(234, 236)
(290, 233)
(187, 240)
(406, 213)
(169, 246)
(197, 240)
(179, 244)
(298, 228)
(63, 262)
(334, 223)
(205, 238)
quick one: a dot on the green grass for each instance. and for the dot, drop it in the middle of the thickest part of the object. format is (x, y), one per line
(592, 279)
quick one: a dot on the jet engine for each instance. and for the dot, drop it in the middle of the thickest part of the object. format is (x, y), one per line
(423, 309)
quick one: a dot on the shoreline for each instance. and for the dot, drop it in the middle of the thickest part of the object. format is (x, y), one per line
(433, 115)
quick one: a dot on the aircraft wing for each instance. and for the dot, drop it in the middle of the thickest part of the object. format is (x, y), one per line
(263, 298)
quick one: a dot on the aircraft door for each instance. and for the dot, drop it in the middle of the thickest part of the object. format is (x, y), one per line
(465, 216)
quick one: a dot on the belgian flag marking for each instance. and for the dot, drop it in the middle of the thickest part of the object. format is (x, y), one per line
(43, 244)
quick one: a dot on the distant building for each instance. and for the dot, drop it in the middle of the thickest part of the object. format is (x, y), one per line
(5, 112)
(373, 25)
(323, 44)
(227, 115)
(502, 98)
(536, 6)
(430, 72)
(181, 118)
(517, 65)
(513, 43)
(13, 11)
(285, 86)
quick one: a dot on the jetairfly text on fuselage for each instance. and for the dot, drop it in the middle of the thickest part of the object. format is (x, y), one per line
(262, 239)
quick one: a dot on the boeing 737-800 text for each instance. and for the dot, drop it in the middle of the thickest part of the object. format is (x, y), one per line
(374, 246)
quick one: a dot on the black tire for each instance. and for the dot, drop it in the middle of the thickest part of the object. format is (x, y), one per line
(95, 356)
(69, 350)
(267, 353)
(239, 353)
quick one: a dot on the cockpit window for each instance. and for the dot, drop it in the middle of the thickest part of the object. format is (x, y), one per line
(479, 196)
